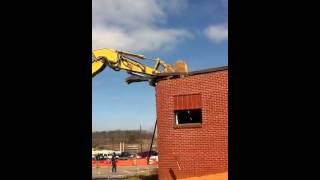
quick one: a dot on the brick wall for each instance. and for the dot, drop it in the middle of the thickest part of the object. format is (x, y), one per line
(199, 150)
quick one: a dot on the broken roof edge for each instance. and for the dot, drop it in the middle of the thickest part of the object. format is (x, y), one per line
(210, 70)
(203, 71)
(167, 76)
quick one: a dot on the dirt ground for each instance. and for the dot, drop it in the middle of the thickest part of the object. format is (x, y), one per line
(123, 172)
(220, 176)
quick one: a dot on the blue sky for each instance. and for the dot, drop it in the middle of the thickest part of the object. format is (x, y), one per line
(195, 31)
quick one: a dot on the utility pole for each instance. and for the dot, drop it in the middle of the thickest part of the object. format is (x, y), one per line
(140, 139)
(154, 132)
(112, 138)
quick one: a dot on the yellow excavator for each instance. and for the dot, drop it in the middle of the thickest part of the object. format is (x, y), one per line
(121, 60)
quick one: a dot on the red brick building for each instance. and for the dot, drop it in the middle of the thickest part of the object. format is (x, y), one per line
(192, 121)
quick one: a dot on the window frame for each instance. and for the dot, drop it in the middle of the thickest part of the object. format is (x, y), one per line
(187, 125)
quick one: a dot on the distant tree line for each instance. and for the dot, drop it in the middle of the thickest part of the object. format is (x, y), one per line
(112, 139)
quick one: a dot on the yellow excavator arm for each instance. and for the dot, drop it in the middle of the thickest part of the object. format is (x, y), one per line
(120, 60)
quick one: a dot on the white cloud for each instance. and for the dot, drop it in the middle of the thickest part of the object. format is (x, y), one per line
(174, 6)
(217, 33)
(134, 25)
(146, 39)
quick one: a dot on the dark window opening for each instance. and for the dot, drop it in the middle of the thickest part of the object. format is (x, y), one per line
(188, 116)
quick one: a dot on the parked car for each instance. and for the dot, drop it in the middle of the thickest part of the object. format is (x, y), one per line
(154, 158)
(100, 157)
(146, 153)
(124, 156)
(109, 156)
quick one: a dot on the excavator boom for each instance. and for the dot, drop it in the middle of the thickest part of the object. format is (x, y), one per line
(120, 60)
